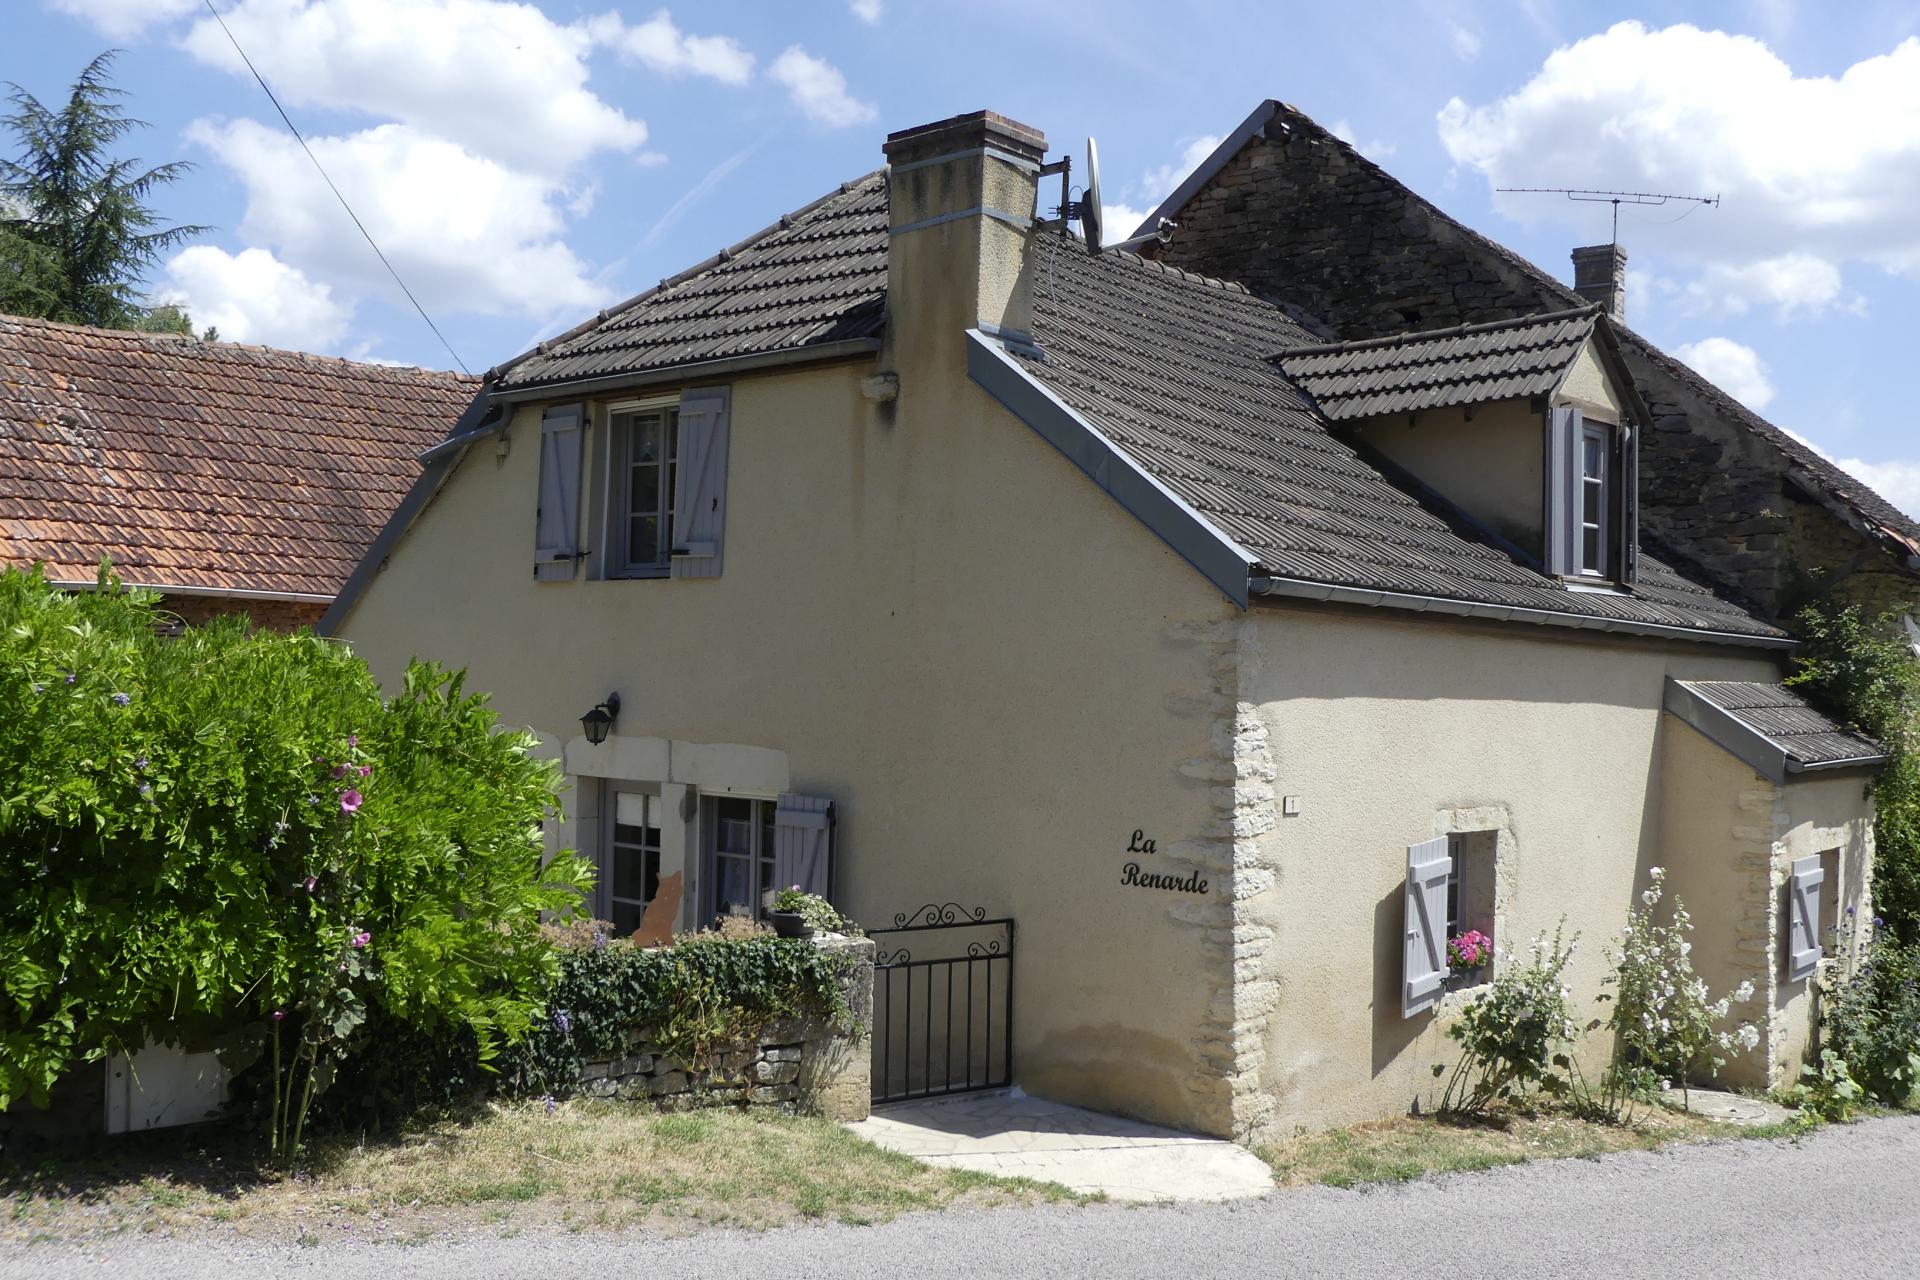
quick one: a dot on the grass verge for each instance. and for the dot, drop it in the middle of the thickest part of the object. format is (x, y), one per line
(507, 1169)
(1410, 1147)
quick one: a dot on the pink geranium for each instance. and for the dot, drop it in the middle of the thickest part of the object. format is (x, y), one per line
(1468, 950)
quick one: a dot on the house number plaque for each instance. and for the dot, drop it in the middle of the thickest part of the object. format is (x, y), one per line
(1131, 874)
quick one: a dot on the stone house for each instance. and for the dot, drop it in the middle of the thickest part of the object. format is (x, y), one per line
(229, 478)
(971, 577)
(1300, 217)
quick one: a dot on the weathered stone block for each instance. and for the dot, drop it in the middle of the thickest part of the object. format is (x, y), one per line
(671, 1082)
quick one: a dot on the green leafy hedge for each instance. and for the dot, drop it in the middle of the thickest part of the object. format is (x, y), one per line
(234, 829)
(701, 995)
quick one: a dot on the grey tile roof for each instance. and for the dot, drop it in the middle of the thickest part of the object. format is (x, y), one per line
(1469, 364)
(817, 276)
(1783, 718)
(1175, 369)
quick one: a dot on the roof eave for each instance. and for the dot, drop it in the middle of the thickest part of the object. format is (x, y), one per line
(844, 349)
(1332, 593)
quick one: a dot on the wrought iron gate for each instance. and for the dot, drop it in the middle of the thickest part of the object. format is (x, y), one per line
(942, 1003)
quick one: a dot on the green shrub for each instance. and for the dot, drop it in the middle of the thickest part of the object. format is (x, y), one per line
(1513, 1035)
(232, 830)
(704, 994)
(1870, 1017)
(1864, 673)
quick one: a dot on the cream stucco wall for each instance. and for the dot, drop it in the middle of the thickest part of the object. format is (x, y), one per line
(1588, 386)
(1391, 731)
(940, 624)
(1487, 459)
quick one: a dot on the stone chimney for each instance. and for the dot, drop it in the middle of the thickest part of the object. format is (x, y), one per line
(961, 201)
(1600, 275)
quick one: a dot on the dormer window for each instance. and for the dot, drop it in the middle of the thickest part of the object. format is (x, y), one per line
(1590, 500)
(1595, 498)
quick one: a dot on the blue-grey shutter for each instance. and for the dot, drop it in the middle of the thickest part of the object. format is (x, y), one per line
(700, 493)
(1803, 918)
(556, 542)
(803, 844)
(1428, 865)
(1562, 509)
(1628, 472)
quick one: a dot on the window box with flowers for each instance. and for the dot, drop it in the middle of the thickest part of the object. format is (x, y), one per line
(1469, 959)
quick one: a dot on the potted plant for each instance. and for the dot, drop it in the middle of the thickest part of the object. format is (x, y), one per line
(1467, 954)
(791, 911)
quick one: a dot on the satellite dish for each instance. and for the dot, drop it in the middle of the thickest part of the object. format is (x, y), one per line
(1090, 202)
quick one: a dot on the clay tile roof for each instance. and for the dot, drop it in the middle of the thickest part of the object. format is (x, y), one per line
(204, 464)
(817, 276)
(1469, 364)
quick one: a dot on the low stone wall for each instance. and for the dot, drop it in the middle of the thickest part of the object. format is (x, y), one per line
(798, 1064)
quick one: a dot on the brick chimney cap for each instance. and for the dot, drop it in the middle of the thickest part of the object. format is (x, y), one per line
(974, 128)
(1600, 251)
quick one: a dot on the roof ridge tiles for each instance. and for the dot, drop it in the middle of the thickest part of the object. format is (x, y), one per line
(188, 344)
(1410, 337)
(784, 222)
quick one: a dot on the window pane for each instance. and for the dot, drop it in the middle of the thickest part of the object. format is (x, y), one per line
(734, 830)
(629, 873)
(1591, 460)
(1590, 502)
(646, 439)
(626, 918)
(1590, 550)
(734, 891)
(643, 540)
(643, 489)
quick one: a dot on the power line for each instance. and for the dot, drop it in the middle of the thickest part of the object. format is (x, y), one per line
(286, 120)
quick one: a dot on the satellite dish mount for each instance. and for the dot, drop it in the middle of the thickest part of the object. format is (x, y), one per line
(1086, 210)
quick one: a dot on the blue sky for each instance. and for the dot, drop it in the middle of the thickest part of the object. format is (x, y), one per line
(525, 164)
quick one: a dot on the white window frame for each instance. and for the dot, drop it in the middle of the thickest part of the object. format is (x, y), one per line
(1599, 435)
(604, 896)
(760, 854)
(616, 493)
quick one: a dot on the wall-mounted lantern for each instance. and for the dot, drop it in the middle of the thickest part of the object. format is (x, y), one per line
(599, 721)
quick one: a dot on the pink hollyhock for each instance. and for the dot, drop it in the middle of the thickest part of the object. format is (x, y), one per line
(362, 938)
(350, 801)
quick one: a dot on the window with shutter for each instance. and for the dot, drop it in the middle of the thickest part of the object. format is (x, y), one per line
(1629, 472)
(556, 543)
(1564, 434)
(1429, 867)
(1803, 918)
(700, 496)
(803, 844)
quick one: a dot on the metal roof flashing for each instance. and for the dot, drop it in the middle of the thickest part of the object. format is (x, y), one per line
(1693, 701)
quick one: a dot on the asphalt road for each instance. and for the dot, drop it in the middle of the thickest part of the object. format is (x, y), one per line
(1845, 1202)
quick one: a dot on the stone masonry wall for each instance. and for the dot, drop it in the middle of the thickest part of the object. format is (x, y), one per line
(267, 615)
(800, 1064)
(1303, 219)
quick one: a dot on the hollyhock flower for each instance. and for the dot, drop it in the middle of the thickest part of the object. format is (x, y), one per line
(278, 1014)
(309, 883)
(341, 770)
(361, 939)
(366, 770)
(353, 739)
(349, 801)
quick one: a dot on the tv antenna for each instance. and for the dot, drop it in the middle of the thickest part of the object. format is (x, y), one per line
(1614, 198)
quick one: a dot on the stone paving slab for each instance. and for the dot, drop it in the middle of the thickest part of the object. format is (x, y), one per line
(1728, 1108)
(1015, 1136)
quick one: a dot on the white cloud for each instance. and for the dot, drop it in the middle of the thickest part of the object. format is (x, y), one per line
(252, 296)
(1465, 43)
(1815, 171)
(1377, 149)
(500, 79)
(123, 19)
(818, 89)
(868, 11)
(1789, 283)
(661, 46)
(464, 231)
(1159, 183)
(1117, 221)
(1733, 367)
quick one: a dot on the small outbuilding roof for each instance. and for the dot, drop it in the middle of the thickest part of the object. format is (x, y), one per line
(1436, 369)
(1770, 727)
(204, 466)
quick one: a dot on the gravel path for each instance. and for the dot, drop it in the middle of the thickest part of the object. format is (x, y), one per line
(1840, 1203)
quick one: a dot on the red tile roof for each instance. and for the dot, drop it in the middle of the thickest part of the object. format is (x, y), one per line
(204, 465)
